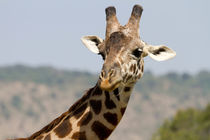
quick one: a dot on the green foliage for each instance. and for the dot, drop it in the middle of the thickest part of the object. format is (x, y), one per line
(190, 124)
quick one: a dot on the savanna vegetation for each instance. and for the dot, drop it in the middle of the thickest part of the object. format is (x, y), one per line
(189, 124)
(30, 97)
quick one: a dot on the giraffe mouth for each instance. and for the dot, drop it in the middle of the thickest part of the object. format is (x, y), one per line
(105, 85)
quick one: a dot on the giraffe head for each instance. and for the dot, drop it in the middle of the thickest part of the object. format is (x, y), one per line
(123, 51)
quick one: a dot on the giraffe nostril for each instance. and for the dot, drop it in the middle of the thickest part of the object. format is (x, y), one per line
(102, 74)
(111, 73)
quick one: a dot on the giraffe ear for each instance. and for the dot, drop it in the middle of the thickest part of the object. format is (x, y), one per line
(92, 43)
(159, 53)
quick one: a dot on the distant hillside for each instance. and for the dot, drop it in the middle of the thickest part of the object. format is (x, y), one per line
(31, 97)
(42, 75)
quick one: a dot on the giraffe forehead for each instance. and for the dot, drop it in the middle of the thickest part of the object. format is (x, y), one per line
(117, 41)
(119, 50)
(116, 57)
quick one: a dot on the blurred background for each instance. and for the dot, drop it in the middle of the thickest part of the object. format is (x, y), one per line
(43, 62)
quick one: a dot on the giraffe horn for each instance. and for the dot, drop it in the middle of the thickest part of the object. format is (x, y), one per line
(112, 23)
(133, 23)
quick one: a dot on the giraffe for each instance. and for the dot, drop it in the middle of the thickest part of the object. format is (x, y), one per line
(99, 111)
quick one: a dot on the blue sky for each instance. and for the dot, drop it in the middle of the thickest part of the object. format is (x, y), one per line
(48, 32)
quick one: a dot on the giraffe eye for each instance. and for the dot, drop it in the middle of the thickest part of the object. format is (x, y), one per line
(137, 52)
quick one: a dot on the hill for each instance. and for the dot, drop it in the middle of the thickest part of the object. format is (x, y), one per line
(31, 97)
(189, 124)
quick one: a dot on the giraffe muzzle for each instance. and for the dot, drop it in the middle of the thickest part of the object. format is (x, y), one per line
(106, 85)
(110, 79)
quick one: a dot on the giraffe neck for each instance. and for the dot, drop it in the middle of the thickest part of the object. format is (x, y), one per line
(94, 116)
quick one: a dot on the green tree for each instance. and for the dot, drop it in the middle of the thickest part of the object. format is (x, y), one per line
(190, 124)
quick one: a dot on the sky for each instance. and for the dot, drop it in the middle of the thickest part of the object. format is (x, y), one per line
(48, 32)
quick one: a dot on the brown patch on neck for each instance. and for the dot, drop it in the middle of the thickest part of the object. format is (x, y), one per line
(85, 119)
(101, 130)
(111, 118)
(79, 136)
(97, 91)
(63, 129)
(108, 102)
(79, 111)
(74, 108)
(96, 105)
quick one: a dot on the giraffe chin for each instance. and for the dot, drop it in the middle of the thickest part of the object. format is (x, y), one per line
(105, 85)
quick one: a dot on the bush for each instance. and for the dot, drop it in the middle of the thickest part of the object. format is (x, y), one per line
(190, 124)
